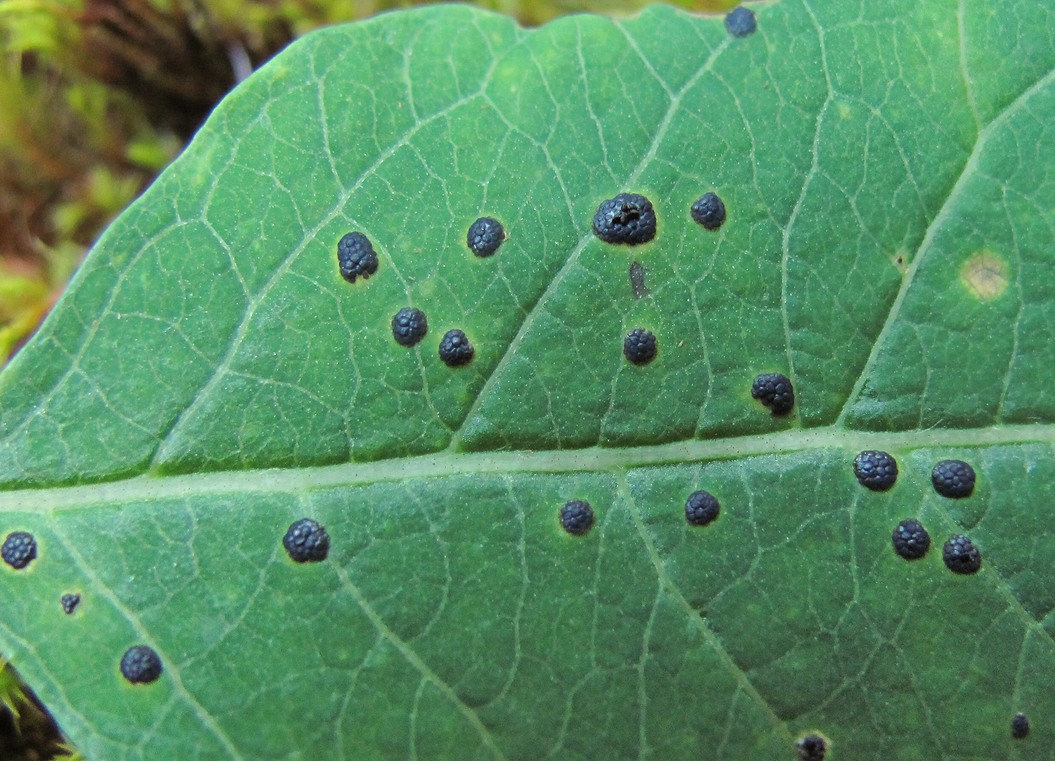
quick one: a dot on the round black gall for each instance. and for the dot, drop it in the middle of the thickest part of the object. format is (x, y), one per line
(455, 349)
(628, 218)
(740, 22)
(69, 602)
(306, 541)
(409, 325)
(960, 555)
(576, 517)
(639, 346)
(812, 747)
(911, 540)
(140, 665)
(485, 236)
(774, 391)
(19, 550)
(701, 508)
(875, 469)
(1019, 726)
(709, 211)
(953, 478)
(356, 257)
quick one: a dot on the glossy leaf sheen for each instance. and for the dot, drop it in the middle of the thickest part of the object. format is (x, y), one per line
(210, 378)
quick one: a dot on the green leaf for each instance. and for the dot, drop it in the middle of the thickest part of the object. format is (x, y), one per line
(210, 378)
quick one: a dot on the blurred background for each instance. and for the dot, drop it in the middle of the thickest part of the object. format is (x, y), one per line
(96, 98)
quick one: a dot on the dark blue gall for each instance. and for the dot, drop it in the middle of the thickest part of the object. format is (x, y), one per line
(356, 257)
(701, 508)
(639, 346)
(812, 747)
(19, 550)
(69, 602)
(140, 665)
(953, 478)
(306, 541)
(960, 555)
(455, 349)
(409, 325)
(576, 517)
(1019, 726)
(740, 22)
(628, 218)
(709, 211)
(775, 392)
(485, 236)
(911, 541)
(875, 469)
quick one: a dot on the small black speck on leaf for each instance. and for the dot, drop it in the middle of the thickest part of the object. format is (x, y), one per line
(639, 346)
(69, 602)
(953, 478)
(19, 550)
(740, 21)
(306, 541)
(774, 391)
(455, 349)
(140, 665)
(701, 508)
(356, 257)
(576, 517)
(485, 236)
(628, 218)
(960, 555)
(911, 540)
(709, 211)
(1019, 726)
(409, 325)
(812, 747)
(875, 469)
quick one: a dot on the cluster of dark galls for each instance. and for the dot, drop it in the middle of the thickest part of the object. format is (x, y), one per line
(626, 219)
(951, 478)
(139, 665)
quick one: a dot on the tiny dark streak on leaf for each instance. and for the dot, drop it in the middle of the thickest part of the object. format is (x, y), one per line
(637, 281)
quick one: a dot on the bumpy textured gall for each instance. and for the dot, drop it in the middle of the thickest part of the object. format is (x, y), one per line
(960, 555)
(953, 478)
(628, 218)
(774, 390)
(19, 550)
(409, 326)
(640, 346)
(911, 540)
(812, 747)
(576, 517)
(306, 541)
(356, 257)
(740, 22)
(485, 236)
(875, 469)
(455, 348)
(709, 211)
(70, 602)
(140, 665)
(701, 508)
(1019, 726)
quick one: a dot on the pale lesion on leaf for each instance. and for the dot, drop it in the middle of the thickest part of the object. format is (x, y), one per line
(985, 275)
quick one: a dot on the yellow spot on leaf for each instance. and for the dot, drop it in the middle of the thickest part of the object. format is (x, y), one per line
(984, 275)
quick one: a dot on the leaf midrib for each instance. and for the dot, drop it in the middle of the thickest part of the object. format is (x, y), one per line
(155, 486)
